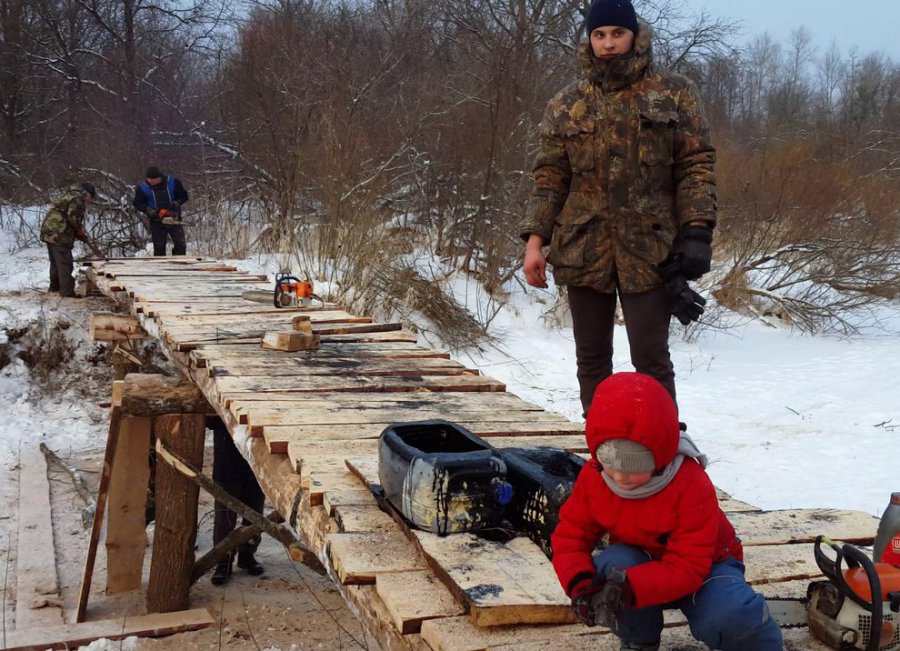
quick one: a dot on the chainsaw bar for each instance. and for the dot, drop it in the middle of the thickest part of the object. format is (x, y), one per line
(789, 613)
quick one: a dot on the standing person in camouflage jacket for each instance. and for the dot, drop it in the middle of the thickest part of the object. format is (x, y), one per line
(63, 224)
(625, 197)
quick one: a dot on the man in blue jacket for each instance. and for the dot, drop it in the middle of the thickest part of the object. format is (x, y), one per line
(160, 198)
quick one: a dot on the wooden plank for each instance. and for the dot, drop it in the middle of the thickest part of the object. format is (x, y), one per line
(460, 634)
(255, 331)
(803, 525)
(399, 335)
(260, 417)
(290, 366)
(414, 597)
(359, 557)
(126, 536)
(352, 497)
(344, 383)
(501, 584)
(76, 635)
(360, 518)
(38, 602)
(278, 436)
(263, 315)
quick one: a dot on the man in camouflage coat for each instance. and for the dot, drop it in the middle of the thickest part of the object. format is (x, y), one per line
(623, 187)
(62, 225)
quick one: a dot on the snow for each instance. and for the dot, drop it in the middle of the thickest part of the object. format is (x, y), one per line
(788, 421)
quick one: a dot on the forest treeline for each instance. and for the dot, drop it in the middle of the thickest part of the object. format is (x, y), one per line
(344, 135)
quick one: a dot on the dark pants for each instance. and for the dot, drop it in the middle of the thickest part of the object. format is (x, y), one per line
(725, 613)
(61, 269)
(232, 472)
(647, 316)
(160, 233)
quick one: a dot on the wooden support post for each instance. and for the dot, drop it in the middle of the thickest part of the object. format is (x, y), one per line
(176, 514)
(155, 395)
(126, 537)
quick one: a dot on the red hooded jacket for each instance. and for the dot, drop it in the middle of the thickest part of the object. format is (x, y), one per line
(681, 527)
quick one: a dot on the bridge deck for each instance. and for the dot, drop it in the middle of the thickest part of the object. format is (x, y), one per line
(308, 423)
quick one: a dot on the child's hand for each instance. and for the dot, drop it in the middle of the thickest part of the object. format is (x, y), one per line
(582, 594)
(615, 595)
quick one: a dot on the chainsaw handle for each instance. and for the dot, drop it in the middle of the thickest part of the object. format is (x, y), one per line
(856, 558)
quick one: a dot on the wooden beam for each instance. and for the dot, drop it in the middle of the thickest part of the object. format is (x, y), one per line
(106, 326)
(282, 534)
(112, 438)
(155, 395)
(126, 537)
(37, 588)
(75, 635)
(176, 514)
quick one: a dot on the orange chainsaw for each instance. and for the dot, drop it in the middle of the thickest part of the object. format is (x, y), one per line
(290, 291)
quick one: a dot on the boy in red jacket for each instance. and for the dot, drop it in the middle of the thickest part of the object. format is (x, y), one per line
(646, 490)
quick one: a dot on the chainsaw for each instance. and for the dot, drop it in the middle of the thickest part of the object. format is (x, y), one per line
(853, 608)
(170, 217)
(290, 291)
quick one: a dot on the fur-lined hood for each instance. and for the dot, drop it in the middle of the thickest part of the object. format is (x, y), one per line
(623, 71)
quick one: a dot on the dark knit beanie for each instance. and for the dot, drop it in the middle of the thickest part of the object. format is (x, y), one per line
(611, 12)
(625, 455)
(153, 172)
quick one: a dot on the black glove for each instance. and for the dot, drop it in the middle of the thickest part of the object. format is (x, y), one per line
(613, 598)
(581, 594)
(152, 214)
(687, 305)
(176, 206)
(693, 247)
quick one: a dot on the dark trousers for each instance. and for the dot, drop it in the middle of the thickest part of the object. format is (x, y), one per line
(61, 269)
(232, 472)
(160, 233)
(647, 316)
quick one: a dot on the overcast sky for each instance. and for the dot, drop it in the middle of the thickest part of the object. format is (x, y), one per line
(869, 25)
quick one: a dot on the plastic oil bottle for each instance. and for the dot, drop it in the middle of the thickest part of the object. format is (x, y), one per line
(887, 540)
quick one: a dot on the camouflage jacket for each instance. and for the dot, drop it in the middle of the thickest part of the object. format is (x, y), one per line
(624, 161)
(64, 219)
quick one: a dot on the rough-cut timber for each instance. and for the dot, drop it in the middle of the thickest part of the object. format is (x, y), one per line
(37, 588)
(115, 327)
(326, 405)
(155, 395)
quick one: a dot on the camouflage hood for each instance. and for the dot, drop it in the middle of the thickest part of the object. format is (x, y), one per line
(623, 71)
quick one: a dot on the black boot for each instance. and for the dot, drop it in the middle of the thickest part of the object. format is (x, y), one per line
(247, 562)
(222, 573)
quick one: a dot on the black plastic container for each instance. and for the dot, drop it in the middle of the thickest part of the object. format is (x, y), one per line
(542, 480)
(441, 477)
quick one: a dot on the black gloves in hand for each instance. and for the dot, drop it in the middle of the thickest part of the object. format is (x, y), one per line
(152, 214)
(687, 305)
(581, 595)
(176, 206)
(693, 246)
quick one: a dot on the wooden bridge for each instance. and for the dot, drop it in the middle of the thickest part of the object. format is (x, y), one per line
(308, 422)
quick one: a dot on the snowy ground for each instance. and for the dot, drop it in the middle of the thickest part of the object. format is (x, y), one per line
(788, 421)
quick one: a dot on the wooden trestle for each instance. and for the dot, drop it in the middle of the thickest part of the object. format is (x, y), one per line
(308, 423)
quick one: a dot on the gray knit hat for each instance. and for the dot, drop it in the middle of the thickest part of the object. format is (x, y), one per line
(625, 455)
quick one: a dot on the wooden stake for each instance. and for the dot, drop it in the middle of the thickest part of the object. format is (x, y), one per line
(176, 514)
(126, 536)
(112, 438)
(280, 533)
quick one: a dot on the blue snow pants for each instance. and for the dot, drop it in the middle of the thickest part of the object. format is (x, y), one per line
(725, 613)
